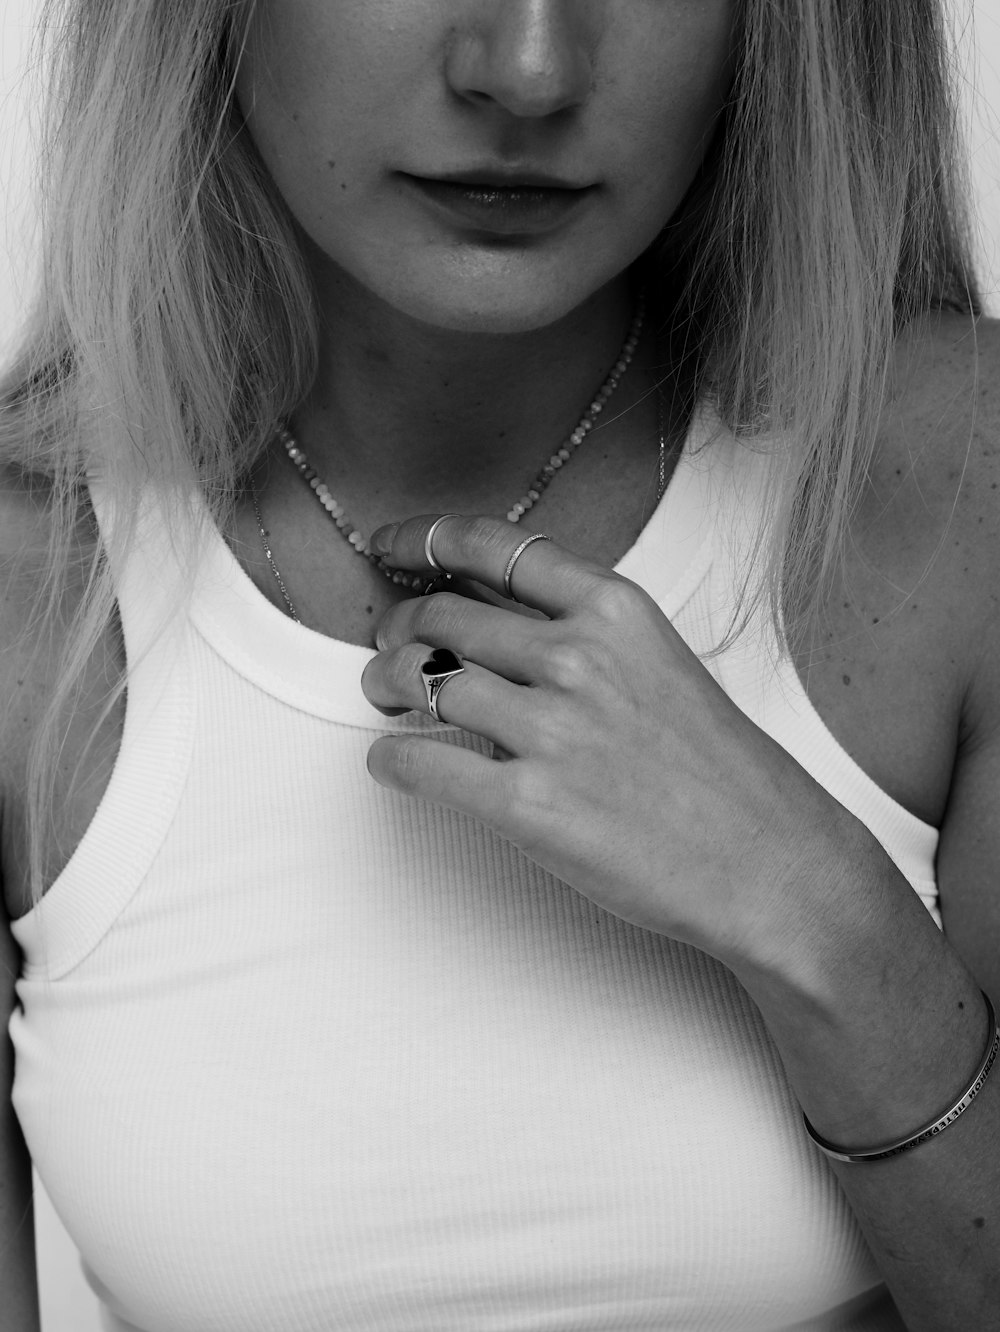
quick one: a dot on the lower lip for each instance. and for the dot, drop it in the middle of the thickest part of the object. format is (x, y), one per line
(503, 210)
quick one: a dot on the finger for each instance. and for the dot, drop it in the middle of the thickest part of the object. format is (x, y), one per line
(446, 774)
(476, 699)
(545, 575)
(502, 640)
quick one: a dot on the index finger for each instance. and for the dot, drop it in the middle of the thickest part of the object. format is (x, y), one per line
(544, 575)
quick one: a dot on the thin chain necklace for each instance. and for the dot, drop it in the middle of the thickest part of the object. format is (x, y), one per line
(417, 582)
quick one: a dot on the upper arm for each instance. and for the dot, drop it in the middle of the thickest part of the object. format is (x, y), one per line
(968, 866)
(968, 869)
(19, 1304)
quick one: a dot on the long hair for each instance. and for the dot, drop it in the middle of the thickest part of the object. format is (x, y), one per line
(175, 321)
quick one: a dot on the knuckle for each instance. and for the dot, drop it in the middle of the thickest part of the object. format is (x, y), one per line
(401, 668)
(568, 665)
(482, 535)
(615, 599)
(438, 619)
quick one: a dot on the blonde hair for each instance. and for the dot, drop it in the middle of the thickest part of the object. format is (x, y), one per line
(175, 322)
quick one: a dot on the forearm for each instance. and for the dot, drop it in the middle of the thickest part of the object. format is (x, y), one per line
(880, 1026)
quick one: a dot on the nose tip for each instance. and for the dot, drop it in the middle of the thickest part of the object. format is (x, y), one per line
(530, 57)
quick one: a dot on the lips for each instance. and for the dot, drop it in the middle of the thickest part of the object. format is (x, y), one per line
(529, 204)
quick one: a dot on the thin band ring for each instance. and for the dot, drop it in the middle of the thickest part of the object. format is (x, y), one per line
(535, 536)
(429, 542)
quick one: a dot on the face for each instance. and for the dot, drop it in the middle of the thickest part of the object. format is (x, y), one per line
(484, 164)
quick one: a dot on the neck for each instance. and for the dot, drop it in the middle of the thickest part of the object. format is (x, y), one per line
(451, 418)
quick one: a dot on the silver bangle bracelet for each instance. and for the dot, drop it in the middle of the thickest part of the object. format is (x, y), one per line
(939, 1125)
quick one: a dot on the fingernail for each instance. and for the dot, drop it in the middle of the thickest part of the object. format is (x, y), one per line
(381, 539)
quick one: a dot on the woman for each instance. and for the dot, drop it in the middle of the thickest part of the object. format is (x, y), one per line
(663, 808)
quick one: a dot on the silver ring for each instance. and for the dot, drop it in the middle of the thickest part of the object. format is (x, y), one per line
(535, 536)
(443, 666)
(429, 542)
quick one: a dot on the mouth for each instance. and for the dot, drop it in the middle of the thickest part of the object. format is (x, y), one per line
(528, 204)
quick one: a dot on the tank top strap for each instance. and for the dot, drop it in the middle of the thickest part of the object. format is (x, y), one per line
(119, 845)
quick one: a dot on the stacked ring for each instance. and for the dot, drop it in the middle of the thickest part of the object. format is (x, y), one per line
(535, 536)
(429, 542)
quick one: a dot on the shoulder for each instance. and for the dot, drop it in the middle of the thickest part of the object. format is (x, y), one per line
(930, 517)
(941, 425)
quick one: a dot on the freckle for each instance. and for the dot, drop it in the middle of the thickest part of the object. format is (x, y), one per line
(899, 471)
(846, 679)
(961, 1003)
(343, 184)
(330, 163)
(369, 609)
(993, 485)
(875, 620)
(979, 1222)
(295, 117)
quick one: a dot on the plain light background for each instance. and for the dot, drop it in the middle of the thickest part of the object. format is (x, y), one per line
(67, 1305)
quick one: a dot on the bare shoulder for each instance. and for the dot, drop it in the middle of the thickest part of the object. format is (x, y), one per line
(940, 444)
(929, 525)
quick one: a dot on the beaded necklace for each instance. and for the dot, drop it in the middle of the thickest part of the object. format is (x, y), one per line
(418, 582)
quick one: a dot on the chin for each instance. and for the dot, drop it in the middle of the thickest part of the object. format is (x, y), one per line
(505, 302)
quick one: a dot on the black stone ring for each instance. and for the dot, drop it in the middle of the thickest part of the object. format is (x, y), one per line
(442, 666)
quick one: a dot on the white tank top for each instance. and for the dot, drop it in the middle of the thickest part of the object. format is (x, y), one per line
(298, 1054)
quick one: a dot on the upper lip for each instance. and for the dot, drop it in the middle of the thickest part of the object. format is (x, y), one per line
(493, 178)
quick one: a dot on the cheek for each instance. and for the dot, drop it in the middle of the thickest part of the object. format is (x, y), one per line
(669, 92)
(312, 85)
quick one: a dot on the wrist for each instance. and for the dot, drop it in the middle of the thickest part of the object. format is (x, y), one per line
(801, 921)
(876, 1018)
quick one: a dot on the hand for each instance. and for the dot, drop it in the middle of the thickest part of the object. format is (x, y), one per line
(630, 773)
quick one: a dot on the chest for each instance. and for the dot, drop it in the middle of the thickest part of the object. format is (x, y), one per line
(411, 1081)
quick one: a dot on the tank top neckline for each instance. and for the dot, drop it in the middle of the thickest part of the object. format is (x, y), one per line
(321, 675)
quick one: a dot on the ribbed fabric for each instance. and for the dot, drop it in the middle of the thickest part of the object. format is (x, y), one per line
(297, 1054)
